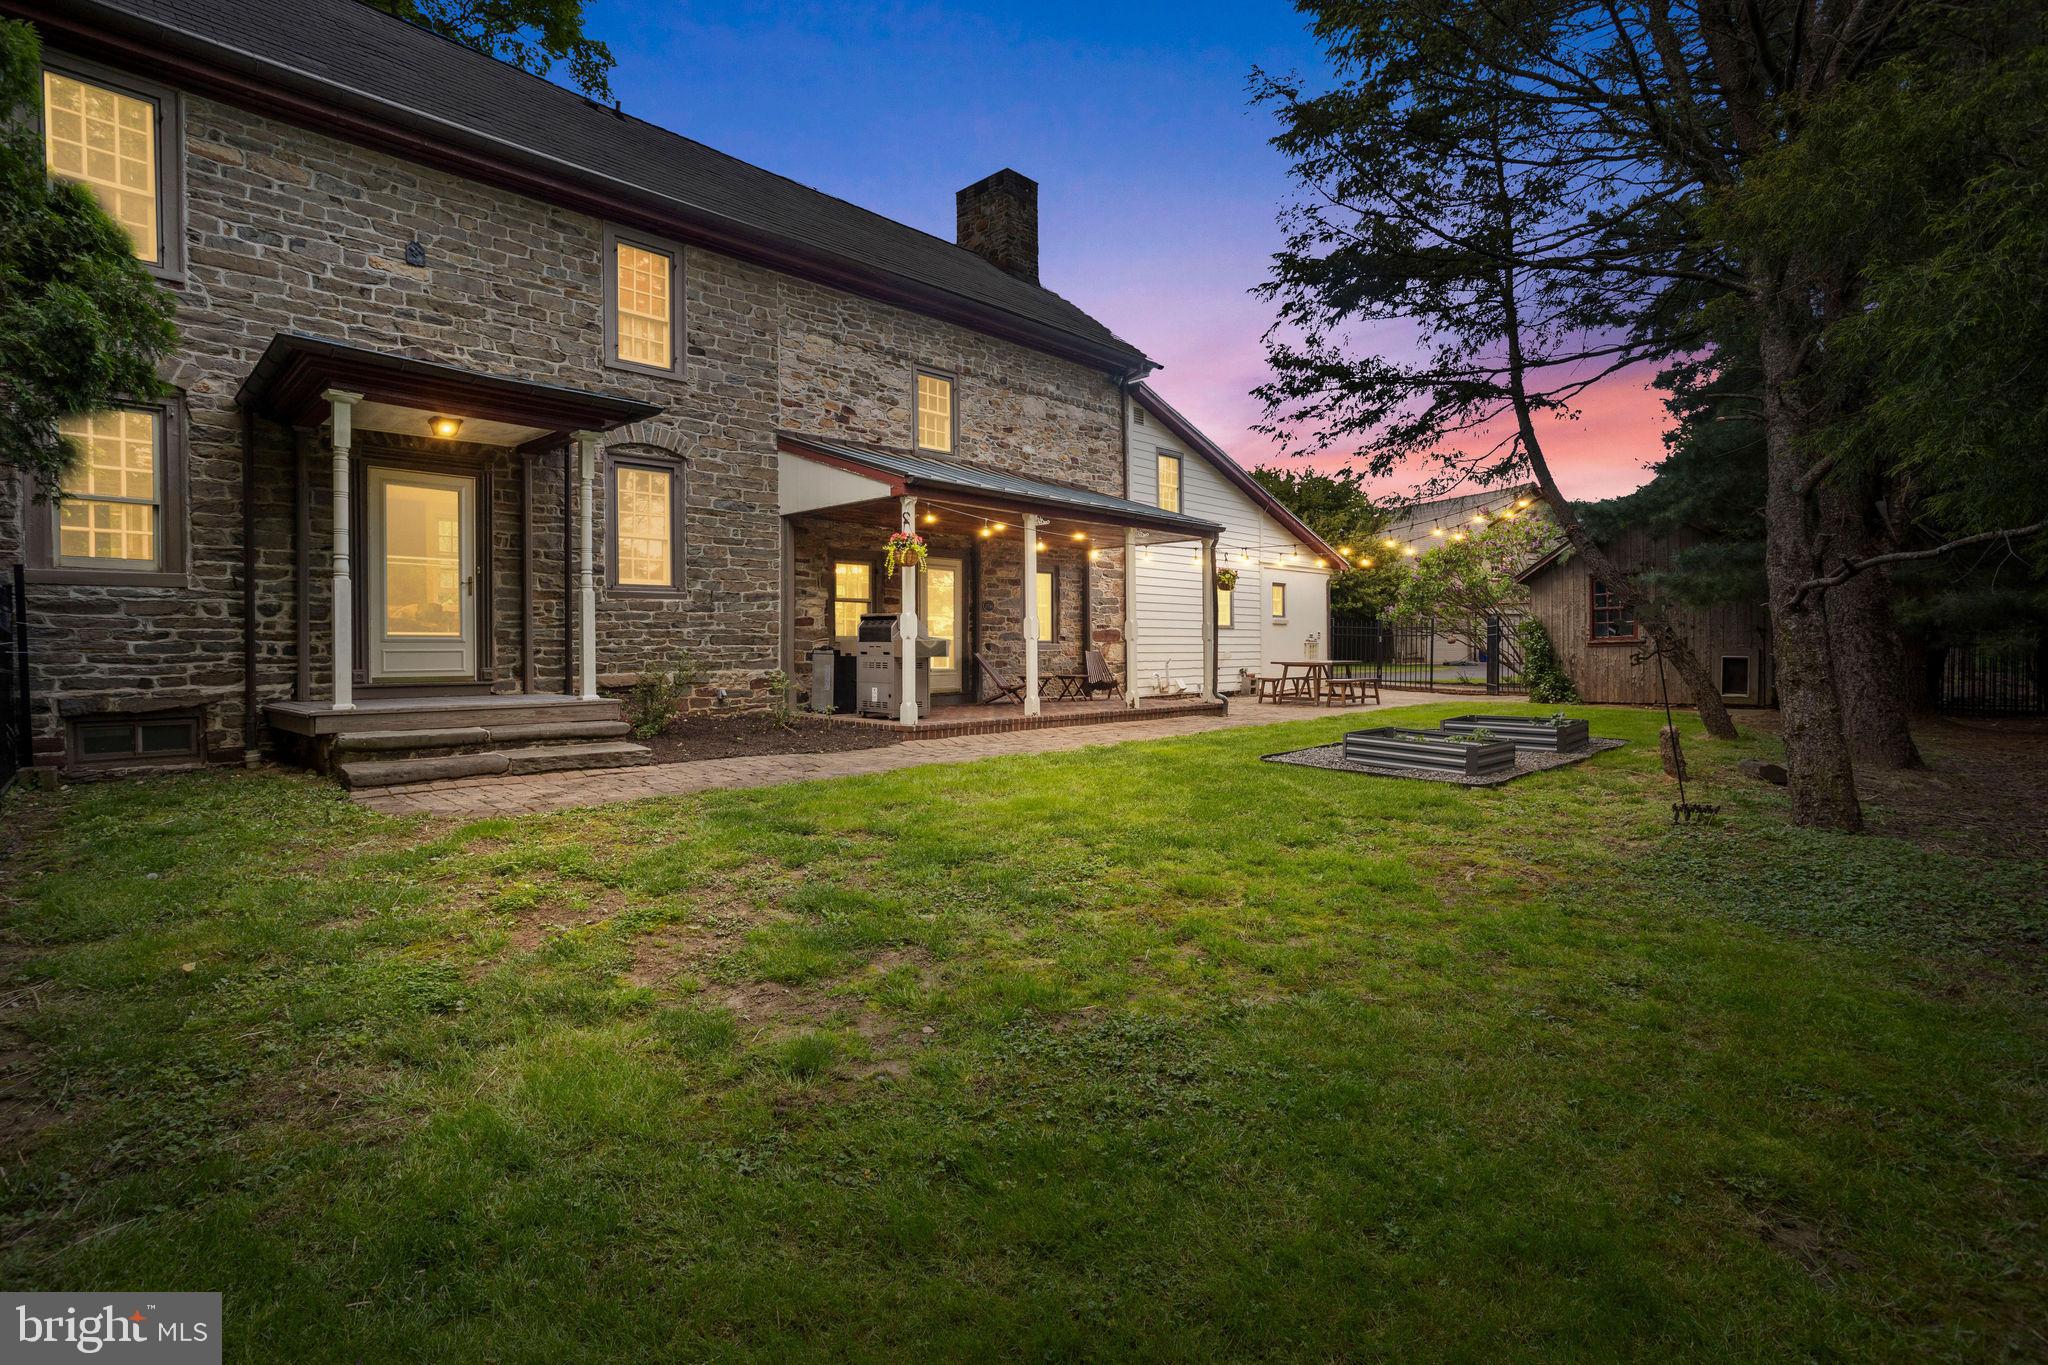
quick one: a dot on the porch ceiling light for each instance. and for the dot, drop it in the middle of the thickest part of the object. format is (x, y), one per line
(445, 427)
(1002, 526)
(1080, 535)
(1041, 547)
(1095, 554)
(986, 533)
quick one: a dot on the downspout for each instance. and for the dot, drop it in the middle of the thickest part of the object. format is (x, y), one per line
(568, 575)
(252, 749)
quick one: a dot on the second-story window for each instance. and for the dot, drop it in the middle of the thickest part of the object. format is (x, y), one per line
(110, 135)
(642, 316)
(935, 414)
(1169, 482)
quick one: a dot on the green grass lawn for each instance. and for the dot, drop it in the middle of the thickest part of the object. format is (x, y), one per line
(1148, 1051)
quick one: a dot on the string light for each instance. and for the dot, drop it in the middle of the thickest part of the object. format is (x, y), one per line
(1080, 535)
(1095, 554)
(1041, 547)
(1002, 526)
(1390, 542)
(931, 518)
(1320, 564)
(1368, 563)
(1436, 530)
(1407, 549)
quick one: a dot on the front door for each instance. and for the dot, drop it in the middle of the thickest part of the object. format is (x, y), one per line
(942, 620)
(422, 588)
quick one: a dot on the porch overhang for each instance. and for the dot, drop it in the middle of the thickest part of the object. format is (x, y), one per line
(824, 476)
(399, 392)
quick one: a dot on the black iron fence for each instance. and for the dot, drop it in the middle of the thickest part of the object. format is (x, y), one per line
(1992, 678)
(1432, 655)
(14, 712)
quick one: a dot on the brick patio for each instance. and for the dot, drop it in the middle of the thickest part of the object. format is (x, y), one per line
(478, 797)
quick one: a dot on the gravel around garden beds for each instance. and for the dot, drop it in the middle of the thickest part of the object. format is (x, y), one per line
(1526, 761)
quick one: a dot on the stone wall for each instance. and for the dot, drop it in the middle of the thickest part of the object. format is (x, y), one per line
(292, 230)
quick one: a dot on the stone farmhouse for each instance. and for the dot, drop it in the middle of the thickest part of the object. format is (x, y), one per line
(492, 398)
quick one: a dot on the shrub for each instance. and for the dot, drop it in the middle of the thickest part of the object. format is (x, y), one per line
(1541, 668)
(660, 694)
(781, 698)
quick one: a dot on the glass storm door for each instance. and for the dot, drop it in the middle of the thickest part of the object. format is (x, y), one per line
(942, 620)
(422, 588)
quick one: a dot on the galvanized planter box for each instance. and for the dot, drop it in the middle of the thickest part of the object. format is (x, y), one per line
(1428, 749)
(1527, 732)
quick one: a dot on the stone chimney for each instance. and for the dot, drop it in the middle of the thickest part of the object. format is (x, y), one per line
(998, 220)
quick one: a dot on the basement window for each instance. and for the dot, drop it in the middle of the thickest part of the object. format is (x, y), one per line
(106, 741)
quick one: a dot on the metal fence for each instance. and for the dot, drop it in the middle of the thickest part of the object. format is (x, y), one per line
(14, 712)
(1431, 655)
(1993, 678)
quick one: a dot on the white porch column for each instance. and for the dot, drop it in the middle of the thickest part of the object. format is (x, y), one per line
(1209, 619)
(906, 625)
(1131, 617)
(586, 475)
(1030, 614)
(341, 408)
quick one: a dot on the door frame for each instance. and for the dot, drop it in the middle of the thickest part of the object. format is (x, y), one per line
(962, 610)
(359, 544)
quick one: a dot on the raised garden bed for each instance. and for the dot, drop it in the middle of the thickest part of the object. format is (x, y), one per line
(1432, 749)
(1526, 732)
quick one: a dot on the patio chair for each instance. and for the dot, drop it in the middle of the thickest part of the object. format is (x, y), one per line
(1098, 677)
(1007, 688)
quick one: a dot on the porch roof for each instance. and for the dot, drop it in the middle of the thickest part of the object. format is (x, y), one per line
(296, 369)
(999, 491)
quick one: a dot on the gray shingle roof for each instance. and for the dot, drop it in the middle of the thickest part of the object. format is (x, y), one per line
(922, 470)
(356, 54)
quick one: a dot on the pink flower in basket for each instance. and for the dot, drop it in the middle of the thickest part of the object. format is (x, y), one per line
(906, 548)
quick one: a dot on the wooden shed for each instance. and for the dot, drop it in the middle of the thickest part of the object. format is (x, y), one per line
(1598, 640)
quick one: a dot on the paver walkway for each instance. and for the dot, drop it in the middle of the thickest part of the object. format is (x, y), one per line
(483, 796)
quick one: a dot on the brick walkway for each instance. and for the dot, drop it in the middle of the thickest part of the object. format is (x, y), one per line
(484, 796)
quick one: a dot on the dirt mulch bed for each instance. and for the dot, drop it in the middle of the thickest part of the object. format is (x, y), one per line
(699, 737)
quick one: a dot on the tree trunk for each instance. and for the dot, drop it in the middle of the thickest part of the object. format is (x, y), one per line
(1823, 777)
(1869, 657)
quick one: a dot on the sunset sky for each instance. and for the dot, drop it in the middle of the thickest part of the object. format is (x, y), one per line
(1158, 191)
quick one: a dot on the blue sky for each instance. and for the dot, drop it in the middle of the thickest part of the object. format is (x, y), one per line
(1158, 191)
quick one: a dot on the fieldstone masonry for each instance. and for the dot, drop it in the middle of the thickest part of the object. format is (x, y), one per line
(293, 230)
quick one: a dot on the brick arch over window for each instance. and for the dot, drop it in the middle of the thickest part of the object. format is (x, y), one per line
(645, 493)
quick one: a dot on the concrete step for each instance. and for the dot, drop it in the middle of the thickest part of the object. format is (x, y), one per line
(557, 758)
(559, 730)
(400, 772)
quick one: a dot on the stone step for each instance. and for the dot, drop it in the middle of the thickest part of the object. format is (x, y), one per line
(401, 772)
(569, 757)
(559, 730)
(455, 737)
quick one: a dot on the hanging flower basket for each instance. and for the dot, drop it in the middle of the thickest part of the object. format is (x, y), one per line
(906, 550)
(1226, 580)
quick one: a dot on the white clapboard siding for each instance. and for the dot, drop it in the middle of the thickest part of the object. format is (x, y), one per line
(1170, 581)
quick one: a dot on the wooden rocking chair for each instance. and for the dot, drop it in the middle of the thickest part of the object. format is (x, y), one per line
(1099, 677)
(1007, 688)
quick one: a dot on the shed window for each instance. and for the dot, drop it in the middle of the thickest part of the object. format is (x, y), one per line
(853, 596)
(935, 415)
(1612, 620)
(107, 141)
(1735, 675)
(113, 496)
(1169, 482)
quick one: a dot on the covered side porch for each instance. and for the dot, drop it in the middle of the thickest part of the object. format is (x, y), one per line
(1026, 590)
(430, 608)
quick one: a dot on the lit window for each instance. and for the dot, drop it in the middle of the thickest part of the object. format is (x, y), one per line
(1279, 601)
(1169, 483)
(1223, 597)
(646, 536)
(113, 495)
(1048, 605)
(1612, 620)
(935, 413)
(644, 307)
(853, 596)
(107, 141)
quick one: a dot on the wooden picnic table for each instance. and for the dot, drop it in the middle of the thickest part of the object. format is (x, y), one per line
(1315, 673)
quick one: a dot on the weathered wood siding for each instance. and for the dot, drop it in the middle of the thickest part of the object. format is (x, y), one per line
(1561, 596)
